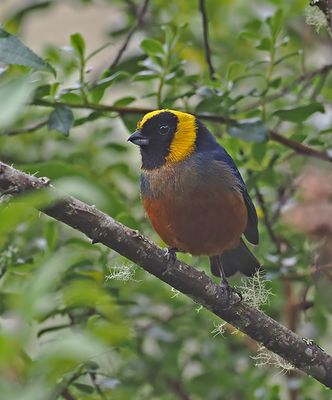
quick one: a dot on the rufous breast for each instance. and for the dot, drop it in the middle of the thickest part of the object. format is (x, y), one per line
(200, 213)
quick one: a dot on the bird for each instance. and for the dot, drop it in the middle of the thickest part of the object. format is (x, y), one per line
(193, 193)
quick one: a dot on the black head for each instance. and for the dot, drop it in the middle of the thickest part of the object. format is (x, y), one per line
(155, 135)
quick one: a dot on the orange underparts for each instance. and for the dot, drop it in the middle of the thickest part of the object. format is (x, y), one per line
(201, 224)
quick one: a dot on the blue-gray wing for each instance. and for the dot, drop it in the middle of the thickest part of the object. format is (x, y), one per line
(251, 231)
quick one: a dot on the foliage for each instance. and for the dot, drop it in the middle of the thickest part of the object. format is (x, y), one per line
(78, 322)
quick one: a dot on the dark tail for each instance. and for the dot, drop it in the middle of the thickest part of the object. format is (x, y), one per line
(239, 259)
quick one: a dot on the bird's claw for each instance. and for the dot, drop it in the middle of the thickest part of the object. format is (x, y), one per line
(230, 292)
(170, 253)
(310, 342)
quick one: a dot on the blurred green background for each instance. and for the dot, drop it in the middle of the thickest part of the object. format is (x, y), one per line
(77, 320)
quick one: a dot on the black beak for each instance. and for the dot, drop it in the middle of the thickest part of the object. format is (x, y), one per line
(138, 139)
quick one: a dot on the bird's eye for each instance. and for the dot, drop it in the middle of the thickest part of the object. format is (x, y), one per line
(164, 129)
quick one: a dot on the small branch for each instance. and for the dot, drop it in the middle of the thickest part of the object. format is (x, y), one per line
(287, 89)
(67, 395)
(129, 110)
(266, 219)
(299, 147)
(311, 271)
(207, 49)
(63, 387)
(27, 129)
(53, 328)
(177, 388)
(303, 354)
(130, 34)
(296, 146)
(320, 85)
(96, 386)
(95, 107)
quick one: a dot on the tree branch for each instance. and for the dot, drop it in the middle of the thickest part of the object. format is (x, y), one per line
(299, 147)
(27, 129)
(130, 34)
(207, 49)
(223, 119)
(303, 354)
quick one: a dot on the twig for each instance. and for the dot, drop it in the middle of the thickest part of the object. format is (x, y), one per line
(320, 85)
(296, 146)
(130, 34)
(177, 388)
(67, 395)
(53, 328)
(299, 147)
(311, 271)
(27, 129)
(62, 389)
(132, 7)
(96, 386)
(266, 219)
(287, 89)
(302, 354)
(207, 49)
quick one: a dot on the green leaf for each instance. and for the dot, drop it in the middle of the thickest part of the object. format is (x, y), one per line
(42, 91)
(249, 35)
(80, 187)
(71, 98)
(78, 44)
(109, 80)
(234, 68)
(210, 104)
(84, 388)
(61, 119)
(299, 114)
(51, 234)
(258, 151)
(130, 121)
(14, 95)
(10, 217)
(124, 101)
(53, 88)
(275, 23)
(117, 147)
(253, 25)
(98, 50)
(152, 47)
(91, 365)
(275, 83)
(13, 51)
(145, 76)
(250, 131)
(75, 347)
(100, 86)
(15, 21)
(325, 131)
(265, 44)
(93, 116)
(286, 56)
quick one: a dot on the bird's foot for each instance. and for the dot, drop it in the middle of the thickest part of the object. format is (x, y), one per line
(170, 253)
(233, 295)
